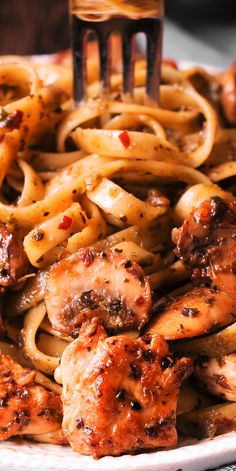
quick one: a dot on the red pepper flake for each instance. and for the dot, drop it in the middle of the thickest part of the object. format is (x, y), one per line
(170, 62)
(65, 223)
(139, 301)
(125, 139)
(87, 257)
(13, 121)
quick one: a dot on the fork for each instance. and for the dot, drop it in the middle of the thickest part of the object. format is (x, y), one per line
(103, 27)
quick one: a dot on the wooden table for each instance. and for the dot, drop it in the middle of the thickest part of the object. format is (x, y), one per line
(33, 26)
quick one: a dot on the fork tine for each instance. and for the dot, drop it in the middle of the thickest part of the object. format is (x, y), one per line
(105, 59)
(151, 27)
(79, 59)
(128, 63)
(154, 49)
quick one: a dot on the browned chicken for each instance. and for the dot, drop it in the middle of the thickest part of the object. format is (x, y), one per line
(105, 285)
(196, 312)
(218, 375)
(206, 243)
(227, 81)
(120, 394)
(13, 261)
(25, 407)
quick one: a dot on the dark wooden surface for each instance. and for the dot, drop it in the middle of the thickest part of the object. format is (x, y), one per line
(33, 26)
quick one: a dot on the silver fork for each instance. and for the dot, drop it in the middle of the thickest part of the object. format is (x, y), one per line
(127, 27)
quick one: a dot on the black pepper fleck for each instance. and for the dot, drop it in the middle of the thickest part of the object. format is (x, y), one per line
(135, 405)
(167, 362)
(189, 312)
(4, 272)
(149, 355)
(79, 423)
(3, 402)
(38, 235)
(120, 395)
(128, 264)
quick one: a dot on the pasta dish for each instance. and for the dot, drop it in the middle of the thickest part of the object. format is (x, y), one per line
(117, 258)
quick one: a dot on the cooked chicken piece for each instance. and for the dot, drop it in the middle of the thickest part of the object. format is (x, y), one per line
(196, 312)
(206, 243)
(25, 407)
(218, 375)
(13, 261)
(120, 394)
(105, 285)
(227, 81)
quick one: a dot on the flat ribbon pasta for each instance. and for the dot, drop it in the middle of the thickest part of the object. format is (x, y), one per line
(33, 189)
(52, 232)
(9, 145)
(120, 206)
(32, 321)
(222, 171)
(17, 80)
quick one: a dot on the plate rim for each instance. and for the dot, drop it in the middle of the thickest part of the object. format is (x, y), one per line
(197, 456)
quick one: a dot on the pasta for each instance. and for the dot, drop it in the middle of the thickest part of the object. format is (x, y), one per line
(114, 174)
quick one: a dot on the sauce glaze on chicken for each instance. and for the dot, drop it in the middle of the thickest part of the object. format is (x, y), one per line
(25, 406)
(197, 312)
(105, 285)
(207, 243)
(120, 394)
(14, 263)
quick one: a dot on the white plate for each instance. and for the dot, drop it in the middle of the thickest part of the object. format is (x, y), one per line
(200, 456)
(22, 455)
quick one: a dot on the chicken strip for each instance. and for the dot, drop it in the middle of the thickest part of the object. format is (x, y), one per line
(25, 407)
(120, 394)
(218, 375)
(13, 261)
(206, 243)
(105, 285)
(197, 312)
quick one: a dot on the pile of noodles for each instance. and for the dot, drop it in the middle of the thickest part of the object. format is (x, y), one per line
(114, 172)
